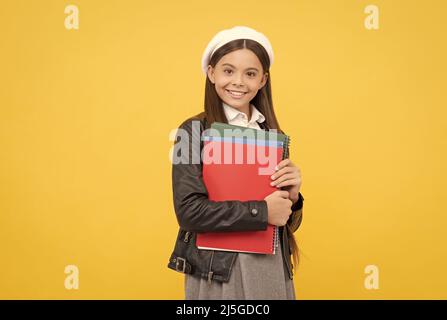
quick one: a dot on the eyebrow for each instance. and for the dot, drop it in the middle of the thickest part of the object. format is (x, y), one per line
(228, 64)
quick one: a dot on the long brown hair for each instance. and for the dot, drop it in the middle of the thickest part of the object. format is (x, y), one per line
(263, 101)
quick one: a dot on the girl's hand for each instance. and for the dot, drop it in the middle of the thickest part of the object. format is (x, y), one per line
(288, 175)
(279, 207)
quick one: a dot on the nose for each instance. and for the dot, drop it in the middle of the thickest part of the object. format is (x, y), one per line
(237, 80)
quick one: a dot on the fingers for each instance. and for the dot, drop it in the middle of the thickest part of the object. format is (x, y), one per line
(283, 164)
(284, 177)
(286, 163)
(289, 182)
(283, 194)
(286, 173)
(281, 172)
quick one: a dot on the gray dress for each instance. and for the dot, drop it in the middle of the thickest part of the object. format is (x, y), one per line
(254, 276)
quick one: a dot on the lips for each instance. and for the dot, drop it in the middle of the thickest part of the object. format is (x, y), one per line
(235, 94)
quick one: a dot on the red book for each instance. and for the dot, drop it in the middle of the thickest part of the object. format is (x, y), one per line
(241, 180)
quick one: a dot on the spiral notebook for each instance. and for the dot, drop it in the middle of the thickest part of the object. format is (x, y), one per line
(241, 171)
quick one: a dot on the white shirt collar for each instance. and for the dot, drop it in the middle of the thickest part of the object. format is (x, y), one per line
(232, 113)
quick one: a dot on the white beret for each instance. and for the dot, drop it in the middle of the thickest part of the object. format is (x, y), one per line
(235, 33)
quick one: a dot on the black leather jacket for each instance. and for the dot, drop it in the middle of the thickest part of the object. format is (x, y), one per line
(195, 213)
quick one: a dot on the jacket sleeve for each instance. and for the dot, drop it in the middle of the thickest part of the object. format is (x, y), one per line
(296, 217)
(194, 211)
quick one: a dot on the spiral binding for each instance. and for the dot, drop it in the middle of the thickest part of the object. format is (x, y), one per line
(275, 239)
(285, 154)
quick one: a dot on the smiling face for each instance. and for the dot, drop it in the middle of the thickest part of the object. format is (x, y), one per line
(237, 77)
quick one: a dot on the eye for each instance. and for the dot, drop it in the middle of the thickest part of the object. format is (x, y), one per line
(229, 71)
(251, 74)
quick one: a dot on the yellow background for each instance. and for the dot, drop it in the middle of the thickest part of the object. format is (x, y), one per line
(85, 116)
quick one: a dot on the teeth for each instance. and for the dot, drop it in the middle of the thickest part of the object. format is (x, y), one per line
(236, 93)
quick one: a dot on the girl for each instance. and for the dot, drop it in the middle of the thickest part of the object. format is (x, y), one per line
(238, 91)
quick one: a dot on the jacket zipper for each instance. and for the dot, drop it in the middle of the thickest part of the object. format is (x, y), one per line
(210, 272)
(187, 235)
